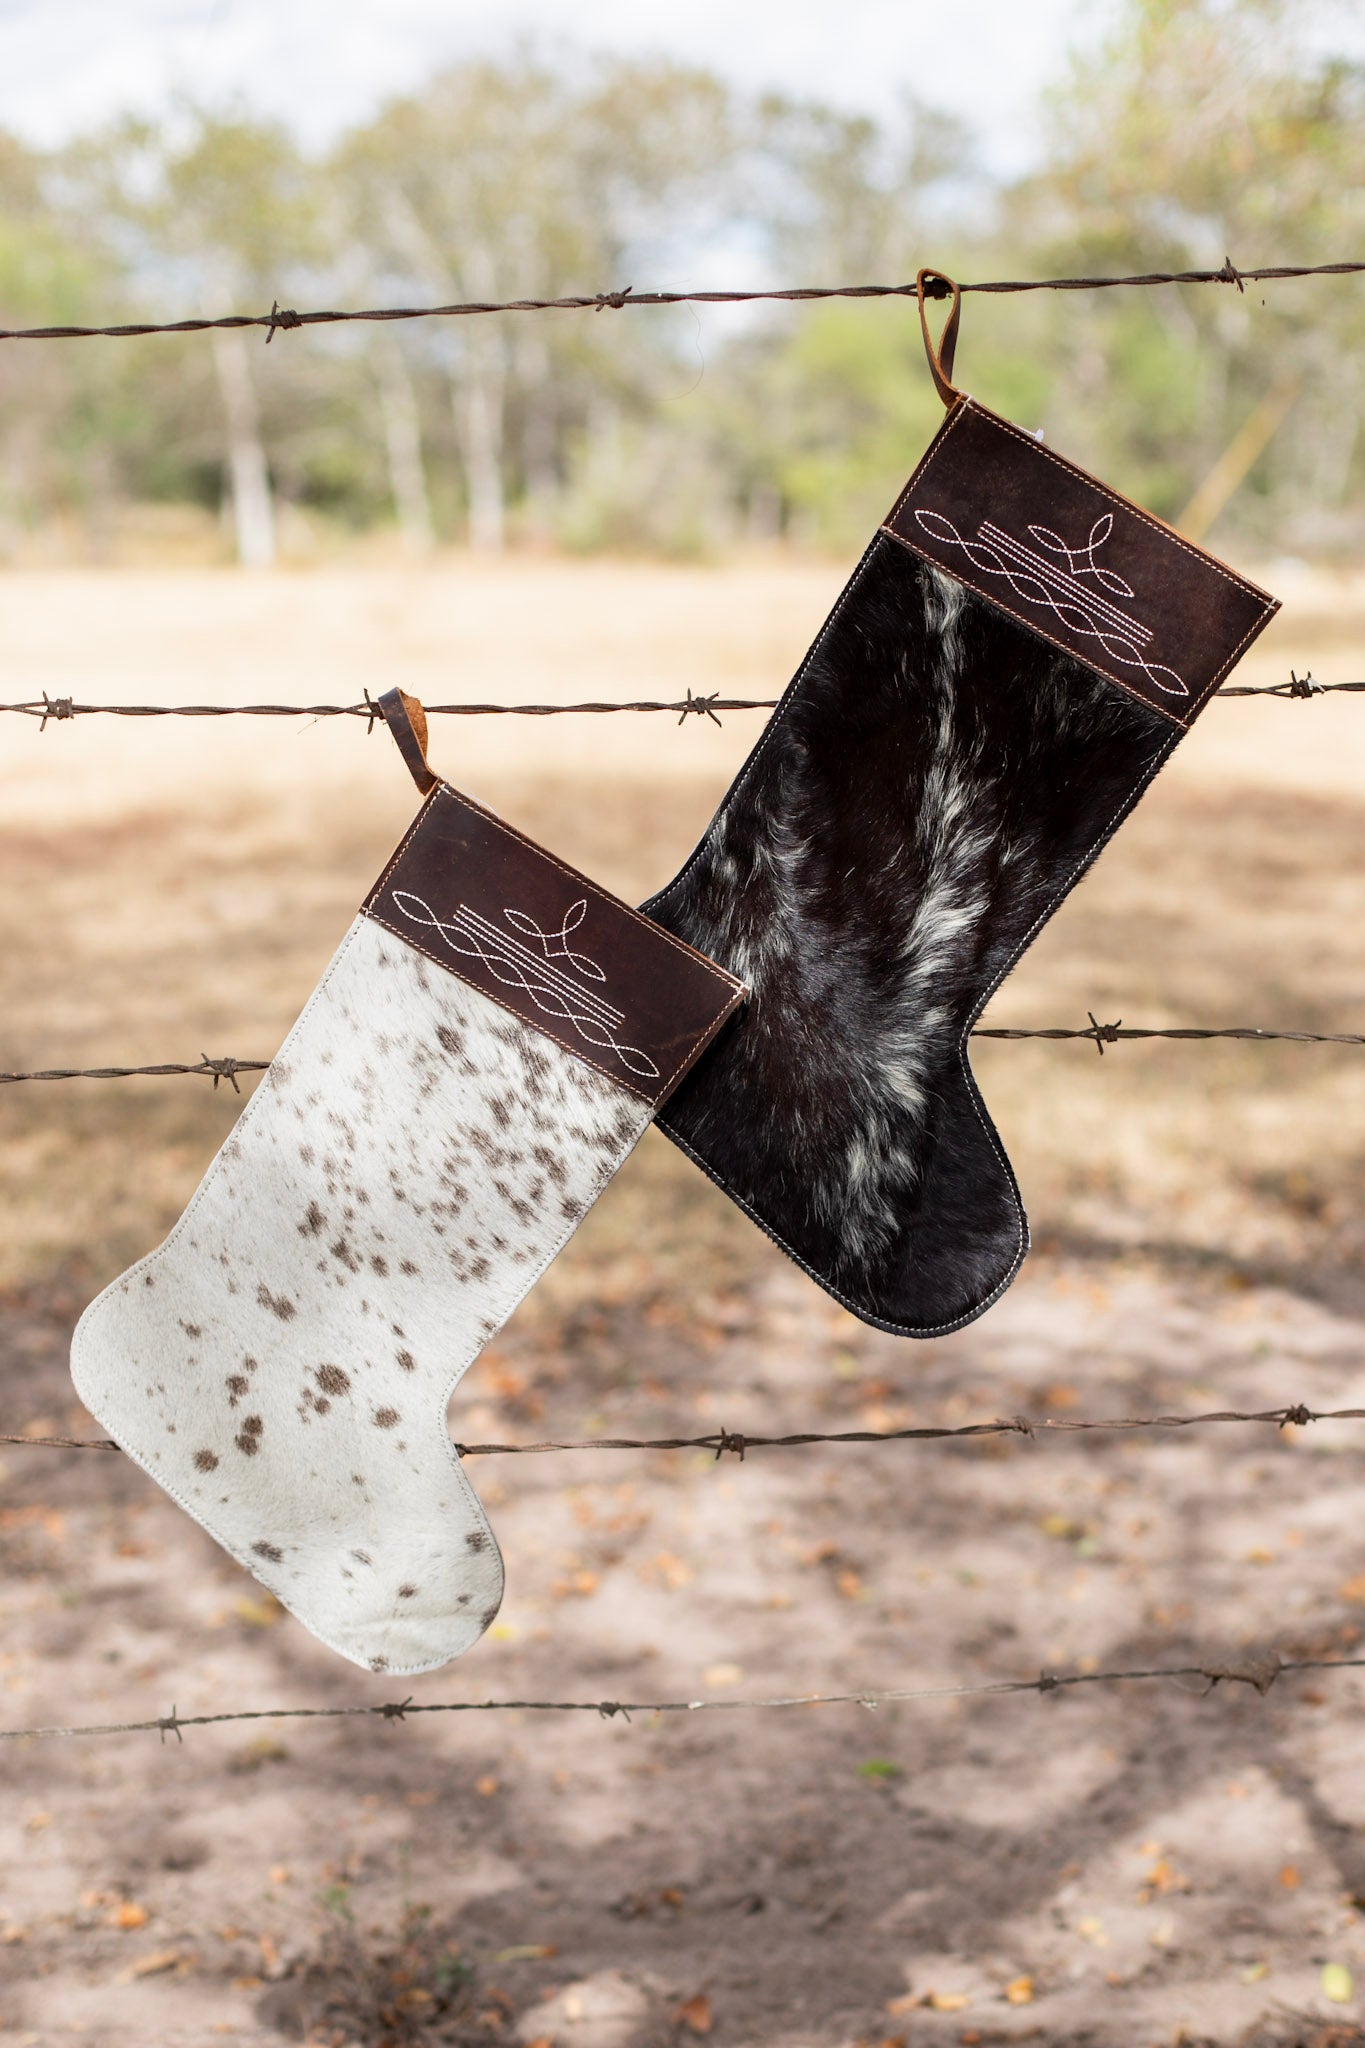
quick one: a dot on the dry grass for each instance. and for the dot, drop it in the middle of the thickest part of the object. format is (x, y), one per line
(177, 887)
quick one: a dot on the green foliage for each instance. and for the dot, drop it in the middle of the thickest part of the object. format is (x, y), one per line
(1198, 127)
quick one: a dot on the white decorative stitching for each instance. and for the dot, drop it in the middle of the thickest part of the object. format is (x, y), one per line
(1035, 580)
(555, 994)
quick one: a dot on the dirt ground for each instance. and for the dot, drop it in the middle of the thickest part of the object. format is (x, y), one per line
(1119, 1866)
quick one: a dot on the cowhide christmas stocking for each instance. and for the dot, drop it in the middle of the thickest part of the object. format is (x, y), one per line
(1014, 658)
(484, 1050)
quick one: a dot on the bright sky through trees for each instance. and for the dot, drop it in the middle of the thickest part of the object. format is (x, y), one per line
(323, 64)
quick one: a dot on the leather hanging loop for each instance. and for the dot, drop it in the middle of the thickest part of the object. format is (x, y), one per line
(407, 721)
(940, 356)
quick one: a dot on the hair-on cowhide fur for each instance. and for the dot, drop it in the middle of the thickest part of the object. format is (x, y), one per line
(412, 1161)
(934, 782)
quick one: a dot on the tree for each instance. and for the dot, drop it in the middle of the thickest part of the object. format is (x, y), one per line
(1202, 128)
(519, 180)
(209, 211)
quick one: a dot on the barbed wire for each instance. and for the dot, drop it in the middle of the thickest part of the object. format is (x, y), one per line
(1094, 1033)
(58, 710)
(282, 318)
(1259, 1671)
(738, 1442)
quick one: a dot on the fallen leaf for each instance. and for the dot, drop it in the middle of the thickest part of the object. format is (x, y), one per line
(1338, 1985)
(947, 2001)
(149, 1966)
(1091, 1929)
(850, 1584)
(36, 1822)
(1254, 1972)
(579, 1584)
(907, 2002)
(1353, 1589)
(1020, 1992)
(526, 1952)
(247, 1983)
(128, 1916)
(718, 1675)
(1258, 1554)
(1289, 1878)
(486, 1786)
(879, 1767)
(279, 1873)
(1163, 1877)
(262, 1749)
(695, 2015)
(671, 1572)
(263, 1613)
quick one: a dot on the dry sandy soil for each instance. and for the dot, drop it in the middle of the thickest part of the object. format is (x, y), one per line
(1119, 1866)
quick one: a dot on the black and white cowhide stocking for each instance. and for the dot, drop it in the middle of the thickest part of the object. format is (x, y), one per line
(486, 1047)
(1011, 663)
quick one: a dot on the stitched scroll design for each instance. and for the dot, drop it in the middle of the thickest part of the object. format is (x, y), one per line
(554, 992)
(1051, 574)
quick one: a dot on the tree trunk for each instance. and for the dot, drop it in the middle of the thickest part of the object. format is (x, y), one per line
(403, 445)
(253, 508)
(479, 395)
(539, 424)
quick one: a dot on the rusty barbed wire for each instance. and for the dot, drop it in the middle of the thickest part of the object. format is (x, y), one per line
(738, 1442)
(281, 318)
(220, 1070)
(1096, 1034)
(59, 710)
(1258, 1670)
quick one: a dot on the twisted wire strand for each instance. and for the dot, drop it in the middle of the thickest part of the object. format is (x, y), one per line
(282, 318)
(58, 710)
(1259, 1671)
(737, 1443)
(1096, 1034)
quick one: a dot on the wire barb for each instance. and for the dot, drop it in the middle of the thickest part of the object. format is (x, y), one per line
(281, 316)
(1103, 1034)
(55, 707)
(704, 707)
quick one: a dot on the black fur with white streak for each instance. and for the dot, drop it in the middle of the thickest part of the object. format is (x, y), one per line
(933, 784)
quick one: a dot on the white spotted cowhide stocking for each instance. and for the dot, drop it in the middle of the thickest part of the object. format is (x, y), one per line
(412, 1161)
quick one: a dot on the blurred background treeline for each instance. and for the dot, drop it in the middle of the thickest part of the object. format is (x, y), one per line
(1198, 128)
